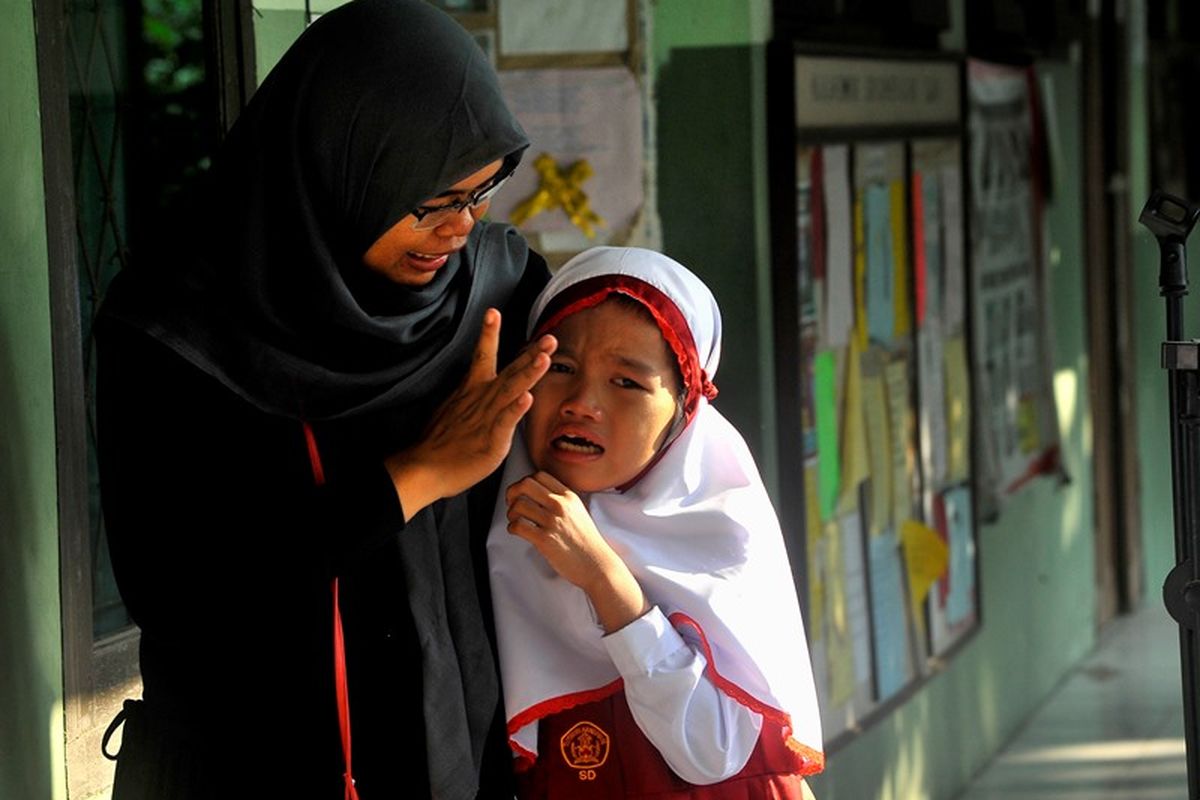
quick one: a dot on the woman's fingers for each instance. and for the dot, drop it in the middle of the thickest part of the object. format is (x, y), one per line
(525, 370)
(471, 431)
(483, 364)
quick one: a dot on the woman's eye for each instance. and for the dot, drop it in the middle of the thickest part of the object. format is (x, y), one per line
(559, 367)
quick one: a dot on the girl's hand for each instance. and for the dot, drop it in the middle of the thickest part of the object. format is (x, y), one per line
(472, 430)
(552, 518)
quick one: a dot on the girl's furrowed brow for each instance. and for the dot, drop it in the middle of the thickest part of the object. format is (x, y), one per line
(637, 364)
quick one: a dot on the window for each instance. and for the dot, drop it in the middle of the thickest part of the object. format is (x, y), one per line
(134, 99)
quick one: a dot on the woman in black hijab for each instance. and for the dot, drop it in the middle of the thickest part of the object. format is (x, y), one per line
(292, 404)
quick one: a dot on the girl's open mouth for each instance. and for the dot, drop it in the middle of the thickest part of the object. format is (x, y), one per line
(576, 444)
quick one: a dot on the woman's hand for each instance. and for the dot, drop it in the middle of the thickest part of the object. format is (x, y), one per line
(471, 431)
(552, 518)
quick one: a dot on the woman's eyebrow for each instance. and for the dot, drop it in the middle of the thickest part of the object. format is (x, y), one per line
(460, 192)
(451, 193)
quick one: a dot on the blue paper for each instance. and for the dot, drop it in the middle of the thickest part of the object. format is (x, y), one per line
(889, 615)
(960, 600)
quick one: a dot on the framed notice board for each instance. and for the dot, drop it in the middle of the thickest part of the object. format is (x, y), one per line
(872, 362)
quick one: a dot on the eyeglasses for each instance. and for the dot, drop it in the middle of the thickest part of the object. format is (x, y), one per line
(429, 217)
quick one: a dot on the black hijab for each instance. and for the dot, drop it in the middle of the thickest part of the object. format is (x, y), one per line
(378, 106)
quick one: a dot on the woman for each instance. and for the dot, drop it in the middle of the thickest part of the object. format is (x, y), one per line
(283, 449)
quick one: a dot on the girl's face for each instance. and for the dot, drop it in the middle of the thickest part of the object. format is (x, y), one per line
(412, 257)
(606, 405)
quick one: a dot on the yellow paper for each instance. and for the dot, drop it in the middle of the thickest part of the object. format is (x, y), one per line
(839, 648)
(926, 557)
(902, 311)
(860, 275)
(813, 545)
(958, 410)
(560, 188)
(879, 446)
(1029, 432)
(855, 460)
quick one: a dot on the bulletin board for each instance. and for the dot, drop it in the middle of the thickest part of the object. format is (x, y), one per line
(1018, 430)
(873, 366)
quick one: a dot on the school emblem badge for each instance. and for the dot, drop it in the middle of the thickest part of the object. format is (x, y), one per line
(585, 747)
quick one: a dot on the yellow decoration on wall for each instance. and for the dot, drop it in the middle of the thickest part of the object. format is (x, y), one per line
(560, 189)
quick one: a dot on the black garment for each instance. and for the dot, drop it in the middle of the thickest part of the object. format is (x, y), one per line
(224, 549)
(260, 316)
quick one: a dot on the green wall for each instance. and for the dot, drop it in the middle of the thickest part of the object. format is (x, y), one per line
(32, 763)
(274, 32)
(709, 60)
(1149, 329)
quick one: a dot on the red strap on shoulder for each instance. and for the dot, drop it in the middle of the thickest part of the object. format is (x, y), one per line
(339, 642)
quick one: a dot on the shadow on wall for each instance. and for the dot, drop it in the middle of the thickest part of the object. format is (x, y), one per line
(29, 730)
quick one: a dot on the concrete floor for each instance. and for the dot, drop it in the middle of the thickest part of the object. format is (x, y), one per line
(1113, 729)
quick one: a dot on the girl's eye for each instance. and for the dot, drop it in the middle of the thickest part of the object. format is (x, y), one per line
(558, 366)
(627, 383)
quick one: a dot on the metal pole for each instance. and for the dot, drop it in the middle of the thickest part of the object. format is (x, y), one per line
(1170, 220)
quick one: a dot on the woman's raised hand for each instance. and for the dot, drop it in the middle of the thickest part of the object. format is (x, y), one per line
(471, 432)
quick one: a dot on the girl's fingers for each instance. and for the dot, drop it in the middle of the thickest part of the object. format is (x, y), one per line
(550, 483)
(524, 506)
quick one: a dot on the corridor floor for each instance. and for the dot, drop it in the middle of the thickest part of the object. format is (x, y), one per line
(1113, 729)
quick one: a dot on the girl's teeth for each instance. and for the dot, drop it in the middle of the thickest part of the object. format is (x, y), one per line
(577, 447)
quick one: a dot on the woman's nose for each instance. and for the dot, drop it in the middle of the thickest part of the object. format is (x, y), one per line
(459, 224)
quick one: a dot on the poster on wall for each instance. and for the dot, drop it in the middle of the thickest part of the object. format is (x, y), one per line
(1016, 417)
(581, 183)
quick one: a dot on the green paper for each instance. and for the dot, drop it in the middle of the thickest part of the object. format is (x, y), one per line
(825, 408)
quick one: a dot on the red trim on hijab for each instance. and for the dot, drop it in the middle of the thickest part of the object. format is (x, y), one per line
(671, 323)
(813, 760)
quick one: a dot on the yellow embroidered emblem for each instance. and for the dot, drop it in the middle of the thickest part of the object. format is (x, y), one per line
(585, 746)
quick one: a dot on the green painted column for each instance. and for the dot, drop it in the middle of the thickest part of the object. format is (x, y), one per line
(1149, 329)
(32, 753)
(710, 89)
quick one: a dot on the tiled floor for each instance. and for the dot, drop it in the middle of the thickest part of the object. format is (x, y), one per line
(1113, 730)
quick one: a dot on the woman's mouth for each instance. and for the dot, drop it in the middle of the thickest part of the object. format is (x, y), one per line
(427, 262)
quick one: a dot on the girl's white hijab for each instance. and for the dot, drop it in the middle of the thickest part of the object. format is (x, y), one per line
(698, 532)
